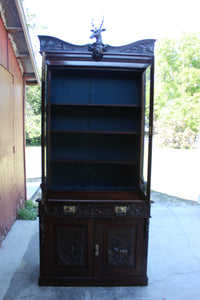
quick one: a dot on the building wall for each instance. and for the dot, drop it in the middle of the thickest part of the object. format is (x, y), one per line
(12, 140)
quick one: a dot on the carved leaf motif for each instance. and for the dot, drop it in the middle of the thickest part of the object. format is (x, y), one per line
(120, 247)
(144, 49)
(69, 244)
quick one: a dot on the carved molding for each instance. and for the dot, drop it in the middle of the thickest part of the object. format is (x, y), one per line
(42, 230)
(52, 44)
(146, 230)
(100, 210)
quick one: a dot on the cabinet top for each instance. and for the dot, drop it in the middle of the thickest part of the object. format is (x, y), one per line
(54, 45)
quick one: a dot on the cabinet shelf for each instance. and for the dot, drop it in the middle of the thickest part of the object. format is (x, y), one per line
(96, 162)
(95, 105)
(88, 195)
(91, 118)
(95, 132)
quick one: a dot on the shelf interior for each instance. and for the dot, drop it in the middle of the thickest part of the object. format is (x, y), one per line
(94, 130)
(95, 119)
(95, 87)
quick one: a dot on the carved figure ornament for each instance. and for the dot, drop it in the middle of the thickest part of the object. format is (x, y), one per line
(98, 47)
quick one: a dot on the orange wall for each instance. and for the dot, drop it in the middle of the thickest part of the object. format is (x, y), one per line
(12, 143)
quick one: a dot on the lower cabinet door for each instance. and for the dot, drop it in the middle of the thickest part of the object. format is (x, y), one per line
(94, 251)
(119, 247)
(69, 247)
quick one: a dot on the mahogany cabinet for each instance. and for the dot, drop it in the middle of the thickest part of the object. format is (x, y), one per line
(96, 163)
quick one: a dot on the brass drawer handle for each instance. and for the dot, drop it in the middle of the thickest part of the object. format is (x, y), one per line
(69, 210)
(120, 210)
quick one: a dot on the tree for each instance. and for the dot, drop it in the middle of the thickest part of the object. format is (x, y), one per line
(33, 115)
(33, 93)
(177, 91)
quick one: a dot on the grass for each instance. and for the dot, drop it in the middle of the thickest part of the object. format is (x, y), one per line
(29, 212)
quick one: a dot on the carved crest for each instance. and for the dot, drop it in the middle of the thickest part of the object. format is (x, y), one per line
(98, 47)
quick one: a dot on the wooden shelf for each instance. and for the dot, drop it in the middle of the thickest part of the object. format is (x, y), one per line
(96, 162)
(96, 132)
(89, 196)
(96, 105)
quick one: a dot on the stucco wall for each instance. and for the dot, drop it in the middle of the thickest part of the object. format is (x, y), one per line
(12, 146)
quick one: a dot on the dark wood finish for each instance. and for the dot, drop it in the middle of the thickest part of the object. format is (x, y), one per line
(101, 251)
(120, 247)
(95, 206)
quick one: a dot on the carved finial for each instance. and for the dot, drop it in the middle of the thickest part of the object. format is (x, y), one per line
(98, 47)
(96, 32)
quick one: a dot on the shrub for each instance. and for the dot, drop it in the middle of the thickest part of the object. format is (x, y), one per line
(29, 212)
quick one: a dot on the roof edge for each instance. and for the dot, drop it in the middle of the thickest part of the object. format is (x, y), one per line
(27, 38)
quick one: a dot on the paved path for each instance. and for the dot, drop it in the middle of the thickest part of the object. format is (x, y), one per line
(173, 260)
(176, 172)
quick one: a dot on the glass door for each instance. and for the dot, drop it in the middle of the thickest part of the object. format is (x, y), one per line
(147, 123)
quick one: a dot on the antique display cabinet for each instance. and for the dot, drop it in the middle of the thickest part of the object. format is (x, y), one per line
(97, 107)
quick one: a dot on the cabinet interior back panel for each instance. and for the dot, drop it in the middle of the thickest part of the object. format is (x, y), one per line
(95, 147)
(80, 118)
(67, 176)
(95, 124)
(95, 87)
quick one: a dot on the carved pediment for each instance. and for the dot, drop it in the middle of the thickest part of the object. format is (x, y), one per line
(143, 47)
(52, 44)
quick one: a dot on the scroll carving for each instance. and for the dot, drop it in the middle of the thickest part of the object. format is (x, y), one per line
(52, 44)
(140, 49)
(100, 210)
(143, 47)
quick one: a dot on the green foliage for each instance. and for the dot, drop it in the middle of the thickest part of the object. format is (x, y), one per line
(33, 115)
(33, 98)
(29, 212)
(177, 91)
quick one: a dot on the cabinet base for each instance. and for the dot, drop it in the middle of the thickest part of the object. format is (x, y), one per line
(90, 281)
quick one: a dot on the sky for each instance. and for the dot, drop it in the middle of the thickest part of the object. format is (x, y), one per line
(125, 21)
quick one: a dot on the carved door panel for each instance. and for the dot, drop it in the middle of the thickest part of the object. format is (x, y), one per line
(118, 247)
(69, 247)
